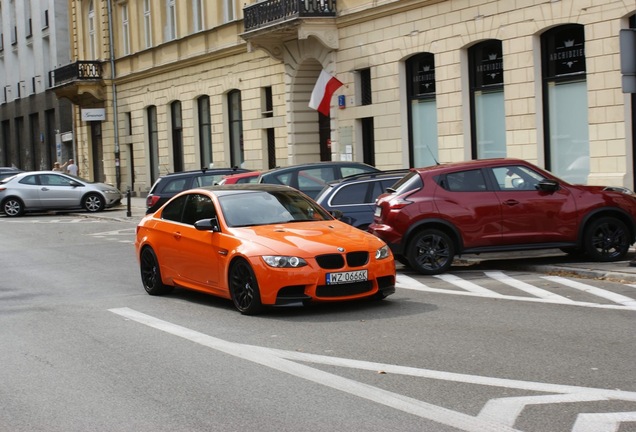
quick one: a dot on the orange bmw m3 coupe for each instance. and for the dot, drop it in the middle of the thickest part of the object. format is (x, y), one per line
(260, 245)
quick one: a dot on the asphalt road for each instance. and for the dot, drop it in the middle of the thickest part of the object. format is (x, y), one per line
(84, 348)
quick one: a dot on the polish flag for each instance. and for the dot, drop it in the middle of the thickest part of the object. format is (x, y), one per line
(323, 90)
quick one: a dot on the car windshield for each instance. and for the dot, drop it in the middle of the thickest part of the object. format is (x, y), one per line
(269, 207)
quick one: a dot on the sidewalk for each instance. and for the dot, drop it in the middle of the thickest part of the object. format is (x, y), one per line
(544, 261)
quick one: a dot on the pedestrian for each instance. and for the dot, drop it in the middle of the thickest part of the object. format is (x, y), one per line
(71, 168)
(58, 167)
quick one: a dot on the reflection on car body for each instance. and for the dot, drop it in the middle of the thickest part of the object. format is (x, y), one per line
(260, 245)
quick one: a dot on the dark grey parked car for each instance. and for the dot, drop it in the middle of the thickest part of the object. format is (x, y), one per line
(355, 196)
(50, 190)
(8, 172)
(169, 185)
(311, 178)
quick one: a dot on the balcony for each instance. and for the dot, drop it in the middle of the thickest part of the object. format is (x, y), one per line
(80, 82)
(269, 23)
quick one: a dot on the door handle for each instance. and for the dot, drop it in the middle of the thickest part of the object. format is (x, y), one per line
(511, 202)
(44, 189)
(176, 235)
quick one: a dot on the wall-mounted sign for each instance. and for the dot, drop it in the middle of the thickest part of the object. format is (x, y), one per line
(93, 114)
(66, 136)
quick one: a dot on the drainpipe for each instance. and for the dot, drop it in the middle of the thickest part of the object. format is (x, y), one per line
(114, 90)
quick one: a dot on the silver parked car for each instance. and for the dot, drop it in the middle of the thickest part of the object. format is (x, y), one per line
(50, 190)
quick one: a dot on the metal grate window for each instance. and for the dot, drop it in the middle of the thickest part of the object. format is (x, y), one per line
(365, 86)
(271, 148)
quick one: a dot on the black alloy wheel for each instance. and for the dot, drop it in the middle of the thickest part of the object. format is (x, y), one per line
(431, 252)
(244, 288)
(607, 239)
(151, 274)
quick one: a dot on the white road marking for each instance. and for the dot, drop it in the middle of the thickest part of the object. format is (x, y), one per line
(616, 298)
(602, 422)
(523, 286)
(406, 282)
(285, 361)
(269, 358)
(506, 410)
(467, 285)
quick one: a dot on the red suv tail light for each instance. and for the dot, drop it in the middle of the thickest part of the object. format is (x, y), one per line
(151, 200)
(398, 203)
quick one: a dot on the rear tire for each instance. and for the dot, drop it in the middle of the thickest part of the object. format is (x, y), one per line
(151, 273)
(13, 207)
(431, 252)
(607, 239)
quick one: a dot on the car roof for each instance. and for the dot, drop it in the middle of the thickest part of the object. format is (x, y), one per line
(233, 189)
(475, 163)
(206, 170)
(371, 175)
(243, 174)
(301, 166)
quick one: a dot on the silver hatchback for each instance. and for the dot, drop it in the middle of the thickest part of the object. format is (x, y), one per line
(50, 190)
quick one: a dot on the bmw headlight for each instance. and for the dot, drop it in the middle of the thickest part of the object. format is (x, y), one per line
(382, 253)
(284, 261)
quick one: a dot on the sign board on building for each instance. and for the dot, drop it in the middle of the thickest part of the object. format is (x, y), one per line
(93, 114)
(66, 136)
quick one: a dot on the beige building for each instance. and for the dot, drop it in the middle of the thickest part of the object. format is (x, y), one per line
(165, 85)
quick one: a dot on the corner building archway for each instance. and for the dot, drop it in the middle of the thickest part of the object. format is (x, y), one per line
(309, 138)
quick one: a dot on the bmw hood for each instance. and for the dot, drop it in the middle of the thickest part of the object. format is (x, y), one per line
(308, 238)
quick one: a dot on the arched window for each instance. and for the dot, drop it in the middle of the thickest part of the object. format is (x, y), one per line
(205, 131)
(423, 147)
(177, 136)
(235, 119)
(153, 143)
(487, 109)
(567, 147)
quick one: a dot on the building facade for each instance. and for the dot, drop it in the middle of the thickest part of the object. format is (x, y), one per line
(164, 85)
(36, 127)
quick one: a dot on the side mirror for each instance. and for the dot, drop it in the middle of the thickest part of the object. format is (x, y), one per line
(548, 186)
(74, 183)
(337, 214)
(208, 225)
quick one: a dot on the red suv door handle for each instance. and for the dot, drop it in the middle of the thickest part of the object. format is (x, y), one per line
(511, 202)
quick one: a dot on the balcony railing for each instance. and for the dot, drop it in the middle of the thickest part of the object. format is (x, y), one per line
(269, 12)
(81, 70)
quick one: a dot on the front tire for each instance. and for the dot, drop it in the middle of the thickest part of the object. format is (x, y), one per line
(607, 239)
(244, 288)
(431, 252)
(13, 207)
(93, 203)
(151, 274)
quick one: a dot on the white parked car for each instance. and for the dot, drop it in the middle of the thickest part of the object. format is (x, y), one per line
(50, 190)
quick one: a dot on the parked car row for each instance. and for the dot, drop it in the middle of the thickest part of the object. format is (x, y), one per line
(263, 244)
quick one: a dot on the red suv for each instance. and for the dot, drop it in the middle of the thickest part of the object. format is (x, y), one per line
(495, 205)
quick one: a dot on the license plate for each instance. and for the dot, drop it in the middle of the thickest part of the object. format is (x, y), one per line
(378, 212)
(346, 277)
